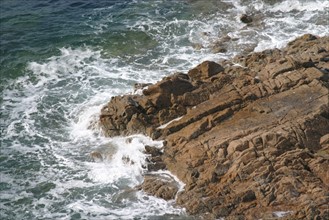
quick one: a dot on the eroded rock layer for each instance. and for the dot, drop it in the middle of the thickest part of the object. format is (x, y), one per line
(251, 135)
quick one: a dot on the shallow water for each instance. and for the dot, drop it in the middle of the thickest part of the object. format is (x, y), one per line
(61, 61)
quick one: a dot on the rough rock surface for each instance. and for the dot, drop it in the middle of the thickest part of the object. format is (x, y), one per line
(162, 186)
(253, 137)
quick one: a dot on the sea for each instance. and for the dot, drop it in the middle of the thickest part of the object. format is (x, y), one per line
(62, 60)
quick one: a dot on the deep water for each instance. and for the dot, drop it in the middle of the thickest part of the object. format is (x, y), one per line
(61, 61)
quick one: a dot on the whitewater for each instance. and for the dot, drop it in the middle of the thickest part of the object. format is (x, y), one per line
(61, 62)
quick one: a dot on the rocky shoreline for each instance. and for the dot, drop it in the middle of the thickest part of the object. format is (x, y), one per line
(248, 137)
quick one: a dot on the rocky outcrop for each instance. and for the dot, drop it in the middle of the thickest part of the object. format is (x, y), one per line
(162, 186)
(248, 136)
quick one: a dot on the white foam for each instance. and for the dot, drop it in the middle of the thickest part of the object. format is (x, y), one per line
(291, 5)
(85, 116)
(127, 161)
(59, 99)
(281, 214)
(168, 123)
(148, 206)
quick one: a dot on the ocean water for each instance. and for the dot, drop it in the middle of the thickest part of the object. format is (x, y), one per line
(61, 61)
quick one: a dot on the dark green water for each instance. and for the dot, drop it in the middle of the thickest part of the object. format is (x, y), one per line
(62, 60)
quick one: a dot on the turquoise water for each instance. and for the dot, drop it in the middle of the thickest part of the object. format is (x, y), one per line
(62, 60)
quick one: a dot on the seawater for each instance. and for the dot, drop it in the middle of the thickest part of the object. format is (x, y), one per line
(61, 61)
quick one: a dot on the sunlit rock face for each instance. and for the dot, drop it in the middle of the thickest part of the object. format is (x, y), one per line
(252, 139)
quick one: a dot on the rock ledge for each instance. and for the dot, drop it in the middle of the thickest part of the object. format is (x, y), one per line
(251, 136)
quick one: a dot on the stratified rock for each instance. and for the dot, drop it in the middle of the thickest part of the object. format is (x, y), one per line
(153, 151)
(205, 70)
(132, 114)
(162, 186)
(249, 140)
(154, 159)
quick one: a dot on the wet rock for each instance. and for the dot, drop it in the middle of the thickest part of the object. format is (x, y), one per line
(154, 159)
(246, 18)
(127, 160)
(220, 46)
(156, 166)
(96, 156)
(162, 186)
(153, 151)
(197, 46)
(103, 152)
(251, 139)
(140, 86)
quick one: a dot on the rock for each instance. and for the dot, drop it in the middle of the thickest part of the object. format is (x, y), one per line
(324, 140)
(103, 152)
(249, 139)
(154, 159)
(141, 86)
(127, 160)
(246, 18)
(162, 186)
(153, 151)
(205, 70)
(156, 166)
(197, 46)
(220, 46)
(96, 156)
(249, 196)
(132, 114)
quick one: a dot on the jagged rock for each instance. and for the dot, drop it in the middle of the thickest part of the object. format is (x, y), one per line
(154, 159)
(251, 140)
(153, 151)
(246, 18)
(162, 186)
(161, 94)
(141, 86)
(205, 70)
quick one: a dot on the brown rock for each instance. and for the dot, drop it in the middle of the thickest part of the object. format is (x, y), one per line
(324, 140)
(153, 151)
(205, 70)
(164, 187)
(138, 86)
(154, 159)
(251, 140)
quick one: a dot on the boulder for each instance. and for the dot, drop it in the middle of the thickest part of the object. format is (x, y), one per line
(244, 18)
